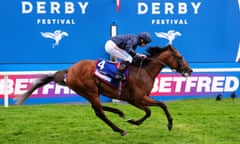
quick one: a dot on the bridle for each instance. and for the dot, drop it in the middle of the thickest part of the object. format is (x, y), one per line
(180, 67)
(177, 59)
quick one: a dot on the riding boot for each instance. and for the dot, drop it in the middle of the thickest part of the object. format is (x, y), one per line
(122, 67)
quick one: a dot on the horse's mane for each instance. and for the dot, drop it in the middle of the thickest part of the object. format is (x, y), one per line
(156, 50)
(151, 53)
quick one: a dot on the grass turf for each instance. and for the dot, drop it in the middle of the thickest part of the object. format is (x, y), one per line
(197, 121)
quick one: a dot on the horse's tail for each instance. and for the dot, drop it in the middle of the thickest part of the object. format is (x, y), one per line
(58, 77)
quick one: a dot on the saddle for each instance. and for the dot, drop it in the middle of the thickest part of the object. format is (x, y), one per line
(106, 71)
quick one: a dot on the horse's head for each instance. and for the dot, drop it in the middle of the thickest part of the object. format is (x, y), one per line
(177, 62)
(172, 58)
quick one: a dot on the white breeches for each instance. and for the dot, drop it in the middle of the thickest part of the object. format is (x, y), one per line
(112, 49)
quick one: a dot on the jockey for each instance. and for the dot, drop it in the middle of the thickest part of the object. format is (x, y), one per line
(124, 46)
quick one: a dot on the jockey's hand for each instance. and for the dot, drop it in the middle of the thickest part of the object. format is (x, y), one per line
(138, 58)
(142, 56)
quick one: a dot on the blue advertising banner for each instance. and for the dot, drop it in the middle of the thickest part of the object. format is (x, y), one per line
(48, 35)
(57, 31)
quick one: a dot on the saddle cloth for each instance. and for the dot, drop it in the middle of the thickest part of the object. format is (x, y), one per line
(106, 71)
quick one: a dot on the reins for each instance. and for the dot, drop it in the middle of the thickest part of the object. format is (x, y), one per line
(139, 69)
(152, 59)
(141, 62)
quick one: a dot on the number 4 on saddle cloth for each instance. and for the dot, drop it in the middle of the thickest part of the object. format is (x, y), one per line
(106, 71)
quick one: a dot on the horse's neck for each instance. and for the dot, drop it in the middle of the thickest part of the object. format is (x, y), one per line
(154, 68)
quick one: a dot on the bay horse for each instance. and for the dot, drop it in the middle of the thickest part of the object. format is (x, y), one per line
(80, 78)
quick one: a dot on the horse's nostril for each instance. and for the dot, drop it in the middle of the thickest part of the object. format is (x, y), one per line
(190, 73)
(185, 74)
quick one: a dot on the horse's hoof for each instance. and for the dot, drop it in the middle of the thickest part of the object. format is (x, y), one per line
(170, 124)
(123, 133)
(122, 116)
(169, 127)
(131, 121)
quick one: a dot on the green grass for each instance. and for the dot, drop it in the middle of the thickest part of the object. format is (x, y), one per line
(196, 121)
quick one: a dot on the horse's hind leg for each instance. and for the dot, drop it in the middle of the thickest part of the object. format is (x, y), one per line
(114, 110)
(96, 105)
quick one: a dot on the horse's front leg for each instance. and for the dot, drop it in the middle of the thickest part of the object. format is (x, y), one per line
(96, 105)
(141, 120)
(152, 102)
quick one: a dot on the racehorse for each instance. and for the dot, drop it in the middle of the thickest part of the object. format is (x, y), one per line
(80, 78)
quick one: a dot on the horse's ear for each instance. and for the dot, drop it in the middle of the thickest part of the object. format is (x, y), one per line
(170, 47)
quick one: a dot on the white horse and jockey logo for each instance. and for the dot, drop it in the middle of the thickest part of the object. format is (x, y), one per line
(170, 35)
(57, 35)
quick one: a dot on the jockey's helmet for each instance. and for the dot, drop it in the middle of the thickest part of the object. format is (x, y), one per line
(145, 36)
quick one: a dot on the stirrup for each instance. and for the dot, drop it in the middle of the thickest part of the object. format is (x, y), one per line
(120, 77)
